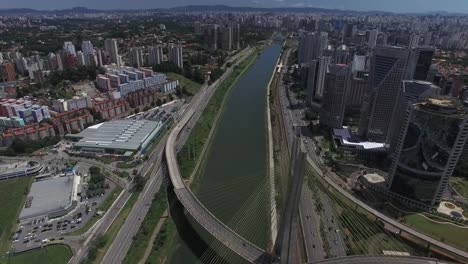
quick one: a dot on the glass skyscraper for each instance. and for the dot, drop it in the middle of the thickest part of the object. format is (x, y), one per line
(429, 145)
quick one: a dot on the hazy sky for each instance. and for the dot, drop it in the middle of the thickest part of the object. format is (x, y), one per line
(384, 5)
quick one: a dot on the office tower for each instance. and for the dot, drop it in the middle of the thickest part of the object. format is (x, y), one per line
(309, 79)
(341, 55)
(411, 92)
(135, 57)
(348, 31)
(388, 68)
(359, 63)
(428, 38)
(68, 47)
(235, 35)
(197, 28)
(155, 55)
(419, 62)
(210, 37)
(334, 96)
(382, 40)
(323, 63)
(414, 41)
(87, 47)
(225, 38)
(329, 51)
(175, 55)
(311, 46)
(430, 143)
(372, 38)
(357, 88)
(99, 60)
(81, 58)
(7, 72)
(110, 45)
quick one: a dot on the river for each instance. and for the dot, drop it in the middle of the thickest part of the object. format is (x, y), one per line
(234, 185)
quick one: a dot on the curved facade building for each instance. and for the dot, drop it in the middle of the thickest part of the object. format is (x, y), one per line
(431, 140)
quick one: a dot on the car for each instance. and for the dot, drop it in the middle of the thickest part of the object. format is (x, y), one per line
(336, 242)
(26, 241)
(71, 227)
(314, 234)
(337, 230)
(60, 238)
(313, 246)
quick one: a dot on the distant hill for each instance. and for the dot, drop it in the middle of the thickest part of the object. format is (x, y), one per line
(200, 8)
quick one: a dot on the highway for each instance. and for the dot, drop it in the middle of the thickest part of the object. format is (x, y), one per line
(124, 239)
(311, 227)
(192, 205)
(293, 116)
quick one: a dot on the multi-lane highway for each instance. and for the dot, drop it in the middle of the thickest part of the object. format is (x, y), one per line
(311, 227)
(124, 239)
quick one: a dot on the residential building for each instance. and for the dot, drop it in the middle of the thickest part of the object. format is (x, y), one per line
(110, 45)
(155, 55)
(7, 72)
(175, 55)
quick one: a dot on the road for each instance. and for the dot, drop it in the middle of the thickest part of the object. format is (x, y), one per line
(311, 227)
(294, 115)
(124, 239)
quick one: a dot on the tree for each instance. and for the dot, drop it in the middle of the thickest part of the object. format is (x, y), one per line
(136, 111)
(138, 183)
(215, 74)
(159, 102)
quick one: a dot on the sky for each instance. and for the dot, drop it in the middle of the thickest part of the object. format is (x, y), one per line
(403, 6)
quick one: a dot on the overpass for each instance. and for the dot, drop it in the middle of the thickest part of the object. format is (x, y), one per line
(199, 212)
(403, 228)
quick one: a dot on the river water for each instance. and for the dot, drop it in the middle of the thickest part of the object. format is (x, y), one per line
(234, 183)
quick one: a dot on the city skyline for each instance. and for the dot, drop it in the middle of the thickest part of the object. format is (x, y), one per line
(397, 6)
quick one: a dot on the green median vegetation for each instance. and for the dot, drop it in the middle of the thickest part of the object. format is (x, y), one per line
(106, 204)
(460, 185)
(163, 244)
(142, 238)
(54, 254)
(13, 193)
(102, 244)
(190, 86)
(446, 233)
(188, 156)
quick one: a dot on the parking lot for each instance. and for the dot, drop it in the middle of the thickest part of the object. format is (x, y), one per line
(39, 231)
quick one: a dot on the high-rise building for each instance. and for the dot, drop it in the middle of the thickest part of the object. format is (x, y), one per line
(7, 72)
(388, 68)
(341, 55)
(311, 46)
(323, 63)
(373, 34)
(81, 58)
(419, 62)
(225, 37)
(68, 47)
(357, 88)
(334, 96)
(210, 36)
(110, 45)
(309, 79)
(87, 47)
(428, 38)
(197, 28)
(155, 55)
(135, 57)
(175, 55)
(414, 41)
(430, 143)
(235, 27)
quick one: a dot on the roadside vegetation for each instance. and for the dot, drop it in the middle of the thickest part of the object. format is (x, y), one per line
(460, 185)
(13, 193)
(54, 254)
(190, 86)
(148, 226)
(163, 244)
(100, 245)
(106, 204)
(191, 151)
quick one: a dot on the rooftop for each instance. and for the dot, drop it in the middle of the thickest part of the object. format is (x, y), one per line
(347, 139)
(126, 134)
(48, 196)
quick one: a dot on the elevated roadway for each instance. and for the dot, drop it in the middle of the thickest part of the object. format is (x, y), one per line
(221, 232)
